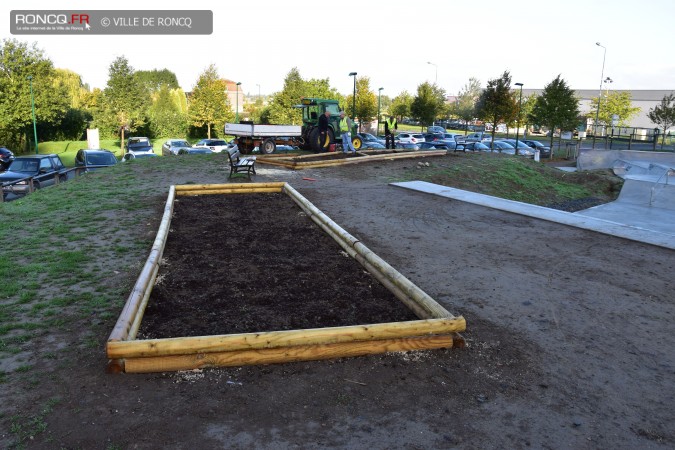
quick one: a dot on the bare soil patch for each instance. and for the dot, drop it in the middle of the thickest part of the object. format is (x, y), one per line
(279, 271)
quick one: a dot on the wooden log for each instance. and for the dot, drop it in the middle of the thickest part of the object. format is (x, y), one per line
(135, 325)
(433, 309)
(194, 187)
(275, 339)
(145, 279)
(283, 354)
(229, 191)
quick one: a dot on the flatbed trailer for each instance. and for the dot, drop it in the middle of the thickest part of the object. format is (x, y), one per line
(265, 137)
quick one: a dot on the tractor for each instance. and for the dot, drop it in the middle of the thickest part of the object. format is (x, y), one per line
(312, 108)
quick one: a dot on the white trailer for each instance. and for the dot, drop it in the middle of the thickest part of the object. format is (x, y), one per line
(265, 137)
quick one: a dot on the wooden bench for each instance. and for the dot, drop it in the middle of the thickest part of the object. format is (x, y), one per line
(241, 165)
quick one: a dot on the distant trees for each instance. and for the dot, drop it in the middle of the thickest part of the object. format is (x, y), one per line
(209, 105)
(428, 104)
(465, 105)
(617, 103)
(366, 101)
(18, 61)
(400, 105)
(497, 103)
(556, 107)
(281, 108)
(663, 114)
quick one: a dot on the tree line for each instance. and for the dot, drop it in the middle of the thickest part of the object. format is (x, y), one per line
(152, 103)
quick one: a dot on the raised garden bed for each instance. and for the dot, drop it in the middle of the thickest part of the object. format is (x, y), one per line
(339, 158)
(250, 279)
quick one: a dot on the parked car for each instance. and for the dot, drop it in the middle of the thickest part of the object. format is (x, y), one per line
(433, 137)
(408, 145)
(523, 148)
(368, 138)
(195, 151)
(544, 150)
(435, 129)
(410, 138)
(218, 145)
(172, 146)
(43, 168)
(437, 145)
(501, 147)
(373, 145)
(474, 147)
(95, 159)
(6, 157)
(142, 155)
(138, 145)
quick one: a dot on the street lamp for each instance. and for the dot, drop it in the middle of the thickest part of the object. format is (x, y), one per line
(353, 74)
(32, 105)
(236, 112)
(379, 95)
(520, 103)
(435, 79)
(602, 74)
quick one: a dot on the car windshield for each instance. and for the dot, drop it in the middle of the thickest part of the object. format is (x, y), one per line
(180, 144)
(24, 165)
(101, 159)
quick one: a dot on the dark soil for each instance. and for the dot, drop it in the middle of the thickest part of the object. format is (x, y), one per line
(247, 263)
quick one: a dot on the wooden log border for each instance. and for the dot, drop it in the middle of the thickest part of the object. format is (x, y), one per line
(437, 328)
(296, 162)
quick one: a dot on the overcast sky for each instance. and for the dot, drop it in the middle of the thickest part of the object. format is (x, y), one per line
(257, 42)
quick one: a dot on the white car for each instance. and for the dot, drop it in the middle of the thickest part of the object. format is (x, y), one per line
(173, 146)
(215, 145)
(410, 138)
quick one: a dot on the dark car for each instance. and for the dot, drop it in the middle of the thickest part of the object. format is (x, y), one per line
(434, 137)
(544, 150)
(137, 145)
(195, 151)
(95, 159)
(6, 157)
(438, 145)
(43, 168)
(475, 147)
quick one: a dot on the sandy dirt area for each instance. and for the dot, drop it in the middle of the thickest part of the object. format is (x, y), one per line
(570, 344)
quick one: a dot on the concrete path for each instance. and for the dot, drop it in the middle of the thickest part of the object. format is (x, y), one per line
(627, 220)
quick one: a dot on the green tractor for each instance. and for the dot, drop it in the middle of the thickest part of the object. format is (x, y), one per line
(312, 108)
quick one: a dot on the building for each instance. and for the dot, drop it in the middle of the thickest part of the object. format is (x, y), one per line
(235, 95)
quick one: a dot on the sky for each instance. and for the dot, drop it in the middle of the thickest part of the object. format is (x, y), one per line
(257, 42)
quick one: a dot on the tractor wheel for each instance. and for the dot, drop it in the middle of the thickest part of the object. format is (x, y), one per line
(267, 146)
(357, 143)
(314, 140)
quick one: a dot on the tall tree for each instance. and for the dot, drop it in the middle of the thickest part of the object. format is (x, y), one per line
(209, 105)
(496, 103)
(125, 100)
(153, 80)
(167, 119)
(18, 61)
(428, 104)
(556, 107)
(614, 103)
(281, 109)
(663, 114)
(366, 101)
(465, 106)
(400, 105)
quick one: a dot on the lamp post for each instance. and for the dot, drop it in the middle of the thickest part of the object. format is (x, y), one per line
(32, 106)
(436, 66)
(520, 103)
(236, 112)
(602, 74)
(353, 74)
(379, 95)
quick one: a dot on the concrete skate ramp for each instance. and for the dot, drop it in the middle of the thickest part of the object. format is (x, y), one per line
(634, 221)
(605, 159)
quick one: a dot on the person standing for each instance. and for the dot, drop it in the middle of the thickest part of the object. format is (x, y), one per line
(323, 129)
(390, 126)
(345, 133)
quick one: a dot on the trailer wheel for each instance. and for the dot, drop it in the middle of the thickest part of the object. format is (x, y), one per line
(268, 146)
(357, 143)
